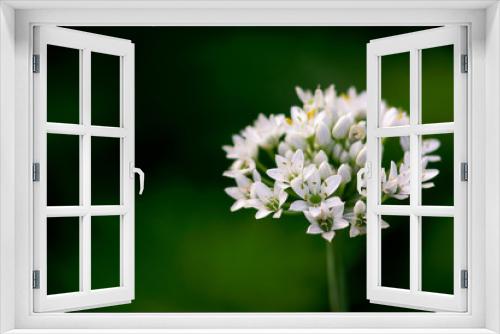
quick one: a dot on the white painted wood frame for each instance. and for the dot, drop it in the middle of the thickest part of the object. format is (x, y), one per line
(17, 17)
(86, 44)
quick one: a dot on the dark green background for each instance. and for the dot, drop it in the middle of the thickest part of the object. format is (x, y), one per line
(195, 87)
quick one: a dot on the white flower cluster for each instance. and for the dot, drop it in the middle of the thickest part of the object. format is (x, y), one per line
(313, 157)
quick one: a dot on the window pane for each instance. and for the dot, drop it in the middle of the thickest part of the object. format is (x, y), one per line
(437, 254)
(63, 84)
(437, 170)
(395, 178)
(105, 171)
(105, 252)
(395, 90)
(63, 244)
(105, 89)
(63, 169)
(395, 257)
(437, 84)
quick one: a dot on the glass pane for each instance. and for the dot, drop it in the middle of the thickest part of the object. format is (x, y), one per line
(395, 178)
(105, 89)
(63, 257)
(63, 84)
(437, 84)
(105, 252)
(437, 170)
(63, 169)
(105, 171)
(437, 254)
(395, 90)
(395, 255)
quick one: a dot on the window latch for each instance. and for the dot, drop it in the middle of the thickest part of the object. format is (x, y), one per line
(134, 170)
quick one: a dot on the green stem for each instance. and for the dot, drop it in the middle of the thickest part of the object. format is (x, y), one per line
(337, 296)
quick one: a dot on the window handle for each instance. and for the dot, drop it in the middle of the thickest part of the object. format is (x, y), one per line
(134, 170)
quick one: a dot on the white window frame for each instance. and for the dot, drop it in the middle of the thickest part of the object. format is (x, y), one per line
(413, 44)
(17, 17)
(86, 44)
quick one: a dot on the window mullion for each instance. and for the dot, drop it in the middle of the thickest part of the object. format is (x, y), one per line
(85, 174)
(415, 220)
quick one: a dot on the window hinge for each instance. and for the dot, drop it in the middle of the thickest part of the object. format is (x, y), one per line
(36, 172)
(464, 171)
(36, 279)
(465, 64)
(36, 63)
(464, 279)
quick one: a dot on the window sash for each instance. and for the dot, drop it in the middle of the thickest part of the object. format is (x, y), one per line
(414, 297)
(85, 297)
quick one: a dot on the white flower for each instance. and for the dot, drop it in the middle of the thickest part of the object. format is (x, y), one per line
(353, 103)
(266, 130)
(242, 149)
(361, 157)
(327, 218)
(355, 148)
(320, 100)
(358, 219)
(429, 146)
(357, 131)
(288, 169)
(302, 123)
(267, 201)
(345, 171)
(341, 128)
(323, 137)
(394, 117)
(240, 167)
(242, 192)
(313, 190)
(395, 185)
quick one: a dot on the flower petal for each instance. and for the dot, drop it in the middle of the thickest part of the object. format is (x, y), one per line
(239, 204)
(299, 206)
(314, 229)
(332, 183)
(328, 236)
(299, 187)
(235, 192)
(262, 213)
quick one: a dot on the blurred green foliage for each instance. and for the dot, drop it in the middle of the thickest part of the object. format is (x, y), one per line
(195, 87)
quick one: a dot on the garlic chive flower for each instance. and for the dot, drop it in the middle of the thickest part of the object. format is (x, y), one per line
(312, 162)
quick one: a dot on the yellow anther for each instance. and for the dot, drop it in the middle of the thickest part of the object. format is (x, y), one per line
(311, 113)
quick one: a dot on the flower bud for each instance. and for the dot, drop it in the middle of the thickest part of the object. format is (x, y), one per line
(341, 128)
(320, 157)
(323, 137)
(361, 158)
(357, 131)
(337, 150)
(345, 172)
(344, 156)
(359, 208)
(354, 149)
